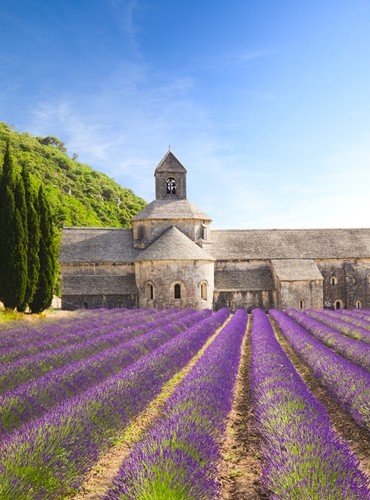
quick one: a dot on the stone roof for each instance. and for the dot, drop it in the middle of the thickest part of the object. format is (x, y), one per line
(99, 284)
(170, 163)
(254, 278)
(173, 245)
(171, 209)
(88, 244)
(290, 244)
(296, 270)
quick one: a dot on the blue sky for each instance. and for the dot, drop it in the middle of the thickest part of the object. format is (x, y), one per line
(265, 102)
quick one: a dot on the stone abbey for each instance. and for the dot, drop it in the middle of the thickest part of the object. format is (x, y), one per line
(171, 257)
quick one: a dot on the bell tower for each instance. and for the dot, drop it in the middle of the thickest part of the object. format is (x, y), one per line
(170, 179)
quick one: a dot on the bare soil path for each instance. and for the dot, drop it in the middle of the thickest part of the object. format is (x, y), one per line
(240, 470)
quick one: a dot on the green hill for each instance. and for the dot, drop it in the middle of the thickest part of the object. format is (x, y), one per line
(78, 195)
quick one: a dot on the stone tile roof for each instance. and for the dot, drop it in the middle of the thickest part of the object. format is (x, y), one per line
(97, 245)
(296, 270)
(244, 279)
(170, 163)
(99, 284)
(173, 245)
(171, 209)
(290, 244)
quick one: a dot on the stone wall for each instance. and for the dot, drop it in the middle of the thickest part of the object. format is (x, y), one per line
(164, 275)
(346, 283)
(241, 299)
(73, 302)
(300, 294)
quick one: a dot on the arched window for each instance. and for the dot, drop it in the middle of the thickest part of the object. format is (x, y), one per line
(171, 185)
(177, 291)
(203, 290)
(86, 305)
(333, 280)
(358, 304)
(230, 304)
(337, 304)
(149, 291)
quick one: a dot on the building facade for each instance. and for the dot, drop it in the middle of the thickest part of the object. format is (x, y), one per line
(171, 257)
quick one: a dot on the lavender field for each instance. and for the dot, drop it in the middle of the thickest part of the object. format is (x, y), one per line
(185, 404)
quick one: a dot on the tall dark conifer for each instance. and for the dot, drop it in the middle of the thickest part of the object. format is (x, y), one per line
(48, 257)
(33, 229)
(13, 235)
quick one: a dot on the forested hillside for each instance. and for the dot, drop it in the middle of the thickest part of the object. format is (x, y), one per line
(78, 195)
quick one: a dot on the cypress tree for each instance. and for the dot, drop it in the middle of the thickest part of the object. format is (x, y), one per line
(33, 230)
(48, 257)
(13, 246)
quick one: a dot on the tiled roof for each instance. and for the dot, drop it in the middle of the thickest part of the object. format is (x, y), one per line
(173, 245)
(253, 278)
(97, 245)
(170, 163)
(290, 244)
(296, 270)
(171, 209)
(99, 284)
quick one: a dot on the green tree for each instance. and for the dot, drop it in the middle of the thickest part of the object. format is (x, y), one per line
(50, 140)
(33, 246)
(48, 257)
(13, 235)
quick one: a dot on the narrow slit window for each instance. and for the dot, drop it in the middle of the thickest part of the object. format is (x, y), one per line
(333, 280)
(150, 291)
(177, 291)
(203, 290)
(301, 304)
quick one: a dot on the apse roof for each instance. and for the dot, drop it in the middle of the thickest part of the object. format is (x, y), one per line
(173, 245)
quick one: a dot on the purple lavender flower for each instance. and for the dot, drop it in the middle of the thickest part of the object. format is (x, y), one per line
(356, 351)
(34, 398)
(178, 458)
(347, 382)
(304, 457)
(47, 457)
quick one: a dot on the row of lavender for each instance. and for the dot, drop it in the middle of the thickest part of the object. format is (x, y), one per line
(179, 456)
(87, 340)
(357, 351)
(47, 457)
(33, 398)
(303, 455)
(348, 383)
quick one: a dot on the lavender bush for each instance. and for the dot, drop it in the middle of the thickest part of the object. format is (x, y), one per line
(31, 367)
(304, 458)
(354, 350)
(334, 321)
(48, 457)
(34, 398)
(57, 339)
(347, 382)
(178, 458)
